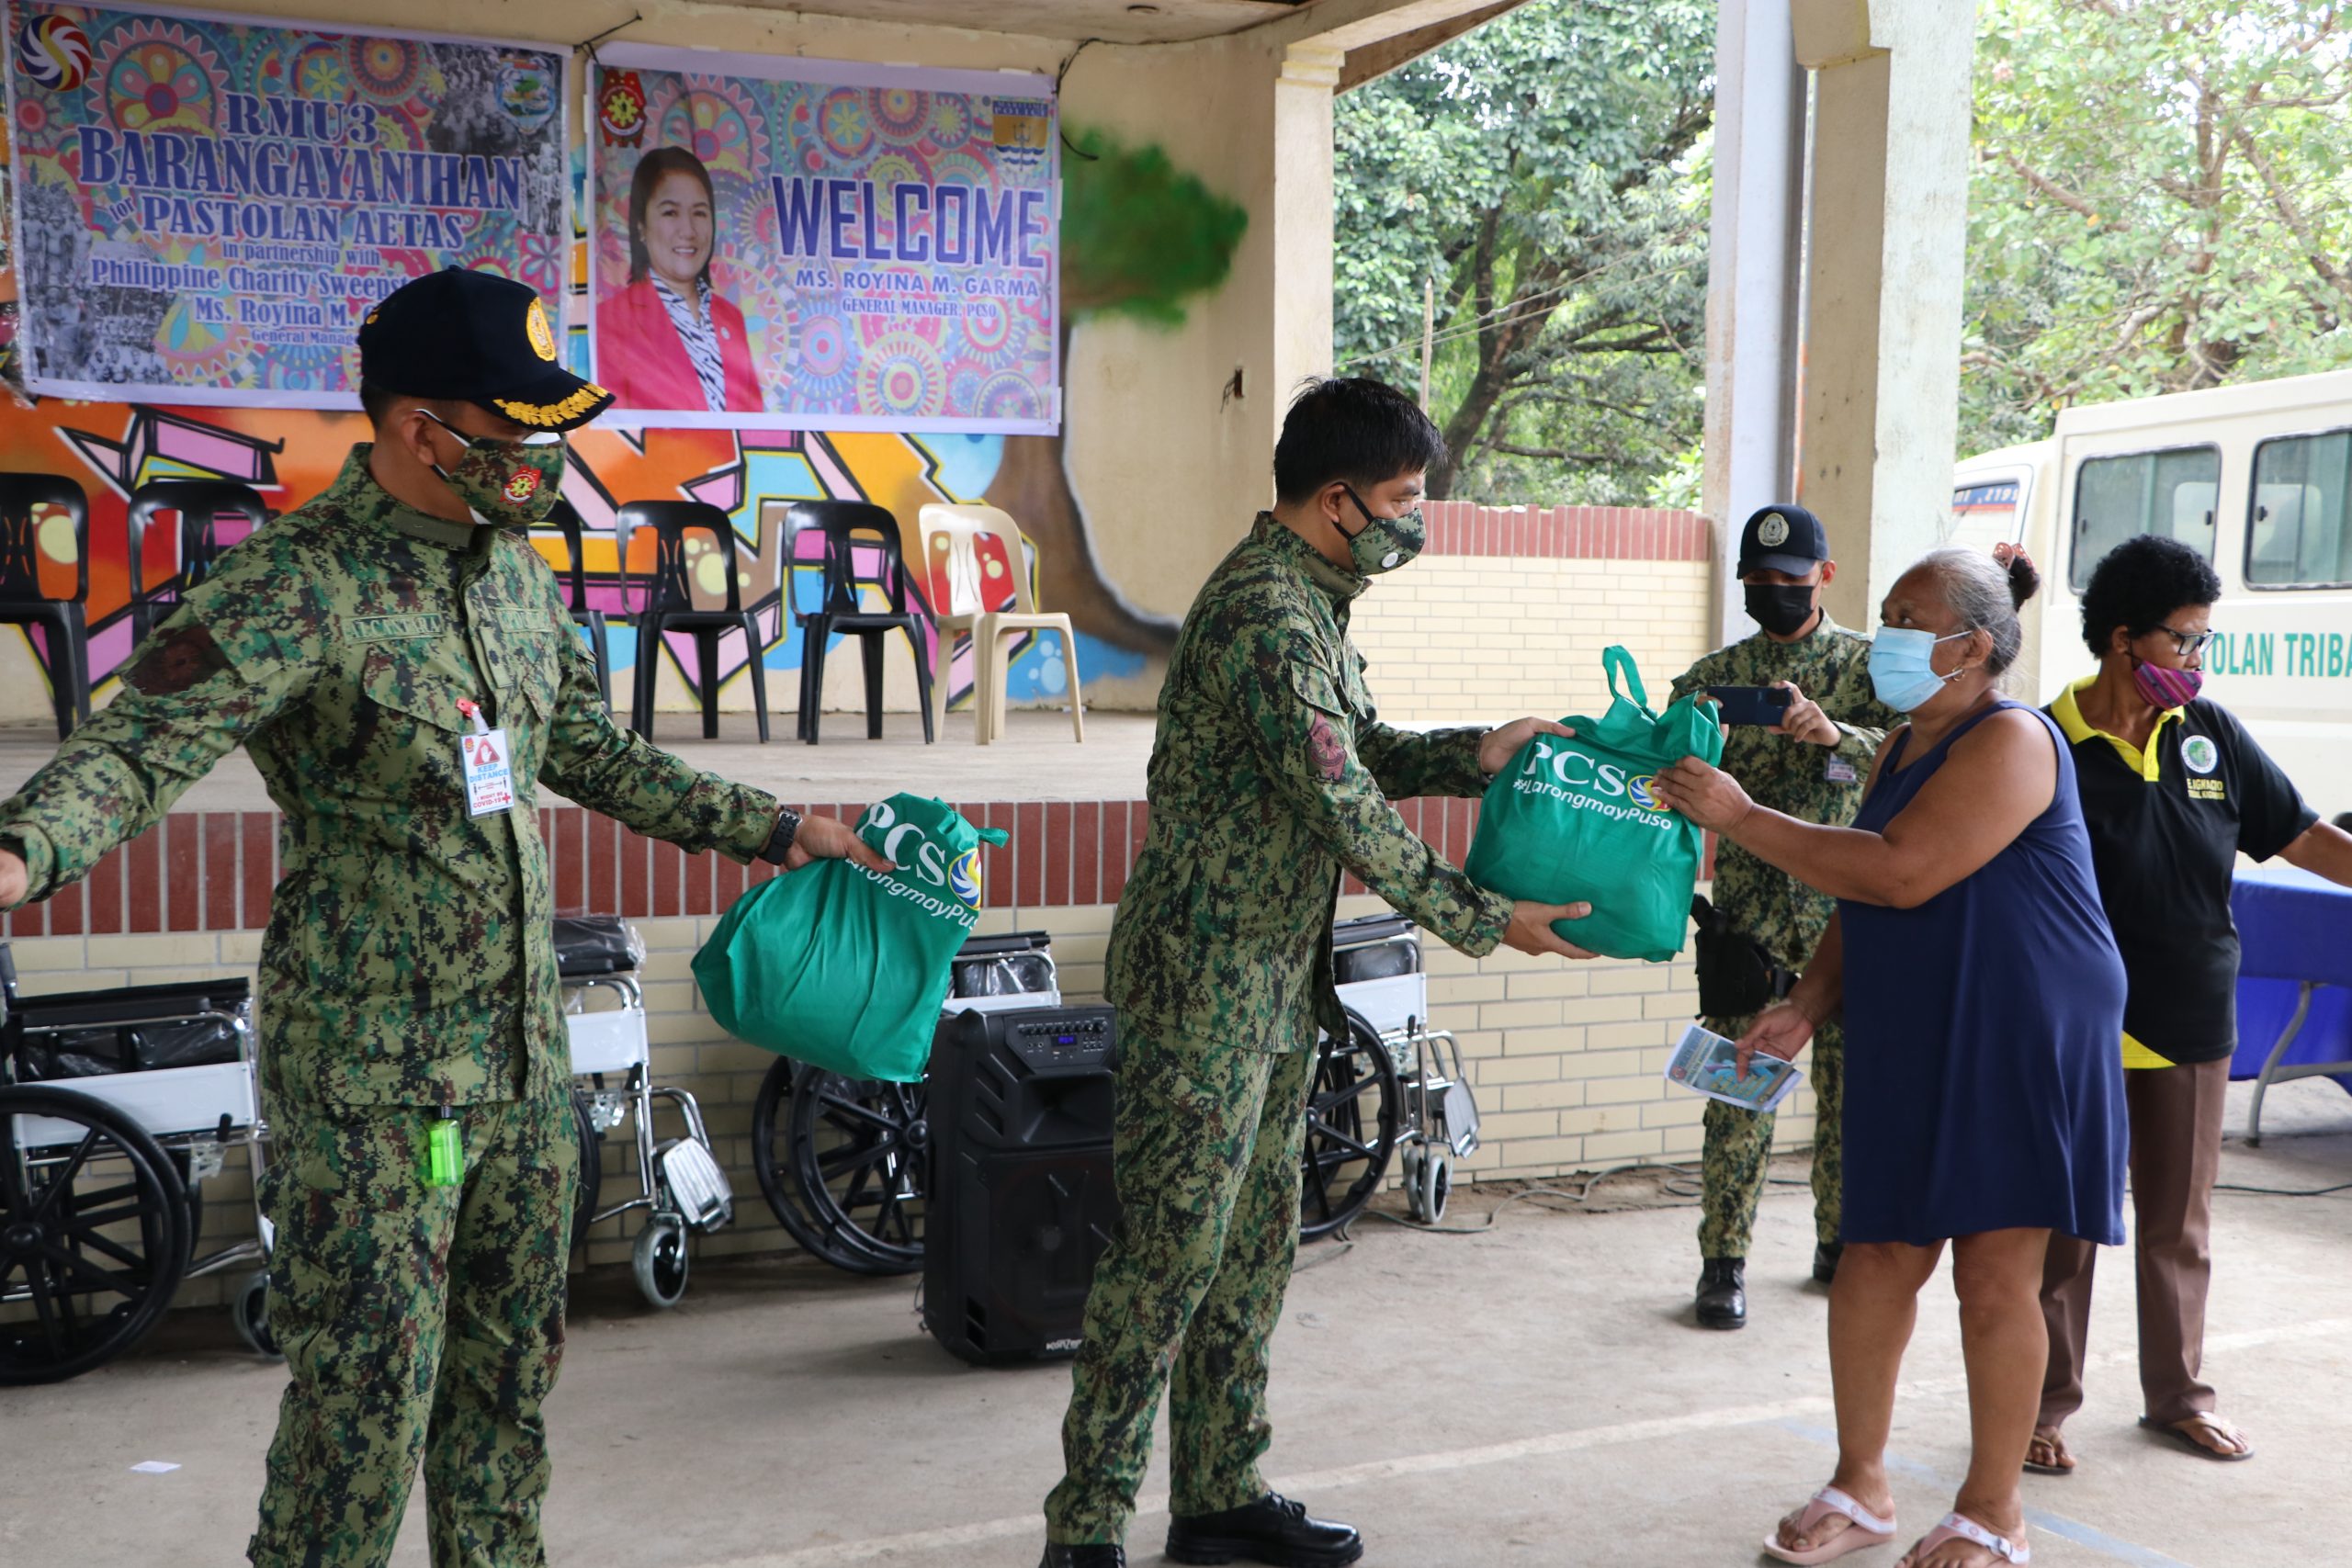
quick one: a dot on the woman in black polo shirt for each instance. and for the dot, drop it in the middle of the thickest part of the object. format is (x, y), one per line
(2173, 789)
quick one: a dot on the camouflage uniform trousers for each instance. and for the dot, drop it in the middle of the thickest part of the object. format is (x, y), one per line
(415, 1320)
(1207, 1140)
(1738, 1151)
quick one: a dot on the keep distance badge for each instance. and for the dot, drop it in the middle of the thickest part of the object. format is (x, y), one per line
(489, 773)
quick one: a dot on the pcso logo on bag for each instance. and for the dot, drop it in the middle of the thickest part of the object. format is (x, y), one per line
(1591, 785)
(964, 877)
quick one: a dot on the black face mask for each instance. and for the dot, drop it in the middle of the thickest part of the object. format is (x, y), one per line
(1778, 609)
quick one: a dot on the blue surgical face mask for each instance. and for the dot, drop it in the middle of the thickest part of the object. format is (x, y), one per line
(1901, 670)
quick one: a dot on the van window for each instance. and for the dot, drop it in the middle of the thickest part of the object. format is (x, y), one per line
(2172, 493)
(2299, 534)
(1986, 511)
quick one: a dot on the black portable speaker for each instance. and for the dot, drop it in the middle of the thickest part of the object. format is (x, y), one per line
(1019, 1198)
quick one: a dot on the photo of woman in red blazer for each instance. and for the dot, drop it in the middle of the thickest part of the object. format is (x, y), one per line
(668, 340)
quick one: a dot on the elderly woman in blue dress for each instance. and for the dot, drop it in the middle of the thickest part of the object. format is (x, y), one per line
(1982, 996)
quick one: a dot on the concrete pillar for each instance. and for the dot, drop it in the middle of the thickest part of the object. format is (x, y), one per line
(1889, 234)
(1302, 218)
(1754, 273)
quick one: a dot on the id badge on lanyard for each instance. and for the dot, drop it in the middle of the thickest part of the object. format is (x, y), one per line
(490, 772)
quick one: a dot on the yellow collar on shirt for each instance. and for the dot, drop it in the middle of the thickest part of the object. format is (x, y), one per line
(2069, 715)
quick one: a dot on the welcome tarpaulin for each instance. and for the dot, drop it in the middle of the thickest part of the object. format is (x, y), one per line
(207, 206)
(823, 245)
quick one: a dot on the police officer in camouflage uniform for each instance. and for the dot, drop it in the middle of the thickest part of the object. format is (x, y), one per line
(1269, 776)
(407, 993)
(1812, 766)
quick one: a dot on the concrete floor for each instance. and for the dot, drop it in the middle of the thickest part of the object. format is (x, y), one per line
(1531, 1394)
(1035, 760)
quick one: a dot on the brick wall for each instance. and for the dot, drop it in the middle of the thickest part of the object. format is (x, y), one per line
(1509, 609)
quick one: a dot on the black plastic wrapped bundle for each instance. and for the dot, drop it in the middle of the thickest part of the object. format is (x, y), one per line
(596, 944)
(1018, 964)
(137, 1029)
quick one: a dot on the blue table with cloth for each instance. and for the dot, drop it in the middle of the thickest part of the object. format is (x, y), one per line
(2294, 982)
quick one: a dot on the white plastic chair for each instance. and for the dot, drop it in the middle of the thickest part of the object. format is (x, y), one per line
(951, 536)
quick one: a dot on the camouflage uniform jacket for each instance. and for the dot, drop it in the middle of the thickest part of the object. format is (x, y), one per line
(1270, 773)
(1816, 784)
(409, 958)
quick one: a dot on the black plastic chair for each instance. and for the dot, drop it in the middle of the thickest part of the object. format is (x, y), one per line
(600, 643)
(850, 526)
(201, 505)
(670, 607)
(67, 636)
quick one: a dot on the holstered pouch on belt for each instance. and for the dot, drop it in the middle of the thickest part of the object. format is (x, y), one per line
(1737, 976)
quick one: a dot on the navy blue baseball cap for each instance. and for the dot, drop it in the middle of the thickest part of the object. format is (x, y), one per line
(477, 338)
(1782, 539)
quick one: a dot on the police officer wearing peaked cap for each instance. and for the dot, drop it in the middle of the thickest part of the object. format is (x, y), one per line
(1763, 922)
(373, 651)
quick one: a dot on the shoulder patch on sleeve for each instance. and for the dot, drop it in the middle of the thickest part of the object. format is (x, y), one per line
(1323, 744)
(177, 661)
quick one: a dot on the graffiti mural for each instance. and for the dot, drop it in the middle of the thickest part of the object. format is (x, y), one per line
(289, 455)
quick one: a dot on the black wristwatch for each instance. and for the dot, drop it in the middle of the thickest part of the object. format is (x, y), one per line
(787, 824)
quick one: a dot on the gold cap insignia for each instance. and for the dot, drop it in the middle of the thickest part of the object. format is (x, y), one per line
(546, 416)
(535, 323)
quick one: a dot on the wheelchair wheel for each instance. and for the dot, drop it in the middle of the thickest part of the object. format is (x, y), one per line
(1351, 1130)
(250, 1313)
(591, 1191)
(182, 1167)
(773, 1163)
(779, 1172)
(659, 1259)
(1434, 1184)
(94, 1235)
(860, 1148)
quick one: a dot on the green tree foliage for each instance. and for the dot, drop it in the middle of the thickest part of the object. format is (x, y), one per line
(1549, 171)
(2160, 203)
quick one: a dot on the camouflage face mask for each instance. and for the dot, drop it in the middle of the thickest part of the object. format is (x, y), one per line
(1383, 544)
(508, 484)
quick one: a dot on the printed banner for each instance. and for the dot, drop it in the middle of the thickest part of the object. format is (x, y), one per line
(824, 245)
(206, 206)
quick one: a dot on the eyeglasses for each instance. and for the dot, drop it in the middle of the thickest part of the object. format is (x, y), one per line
(537, 441)
(2186, 643)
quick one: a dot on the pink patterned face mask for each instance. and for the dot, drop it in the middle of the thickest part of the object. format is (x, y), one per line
(2166, 688)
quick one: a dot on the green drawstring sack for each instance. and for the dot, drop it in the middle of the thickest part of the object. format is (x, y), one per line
(846, 967)
(1571, 820)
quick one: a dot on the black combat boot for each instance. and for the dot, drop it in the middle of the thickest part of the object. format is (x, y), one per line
(1824, 1261)
(1093, 1556)
(1272, 1530)
(1723, 1293)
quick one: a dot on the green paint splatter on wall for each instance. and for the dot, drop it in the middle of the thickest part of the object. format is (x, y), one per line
(1138, 234)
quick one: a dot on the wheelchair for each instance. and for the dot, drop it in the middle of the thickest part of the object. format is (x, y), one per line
(680, 1183)
(1393, 1088)
(115, 1108)
(840, 1161)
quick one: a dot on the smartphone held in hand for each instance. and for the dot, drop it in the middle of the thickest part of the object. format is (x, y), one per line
(1763, 705)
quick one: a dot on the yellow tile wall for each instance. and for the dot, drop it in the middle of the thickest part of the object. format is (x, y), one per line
(1488, 636)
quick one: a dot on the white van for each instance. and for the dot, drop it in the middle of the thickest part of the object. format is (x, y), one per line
(2258, 478)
